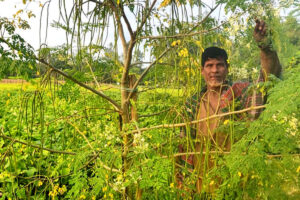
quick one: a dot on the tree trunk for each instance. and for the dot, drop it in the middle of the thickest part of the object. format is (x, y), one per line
(134, 117)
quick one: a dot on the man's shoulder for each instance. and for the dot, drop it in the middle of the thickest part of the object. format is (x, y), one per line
(235, 91)
(238, 88)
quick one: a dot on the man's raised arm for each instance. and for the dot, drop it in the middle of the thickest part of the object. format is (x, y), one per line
(269, 60)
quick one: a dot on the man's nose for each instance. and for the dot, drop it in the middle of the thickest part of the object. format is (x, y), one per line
(214, 68)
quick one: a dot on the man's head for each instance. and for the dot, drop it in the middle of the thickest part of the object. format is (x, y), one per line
(214, 67)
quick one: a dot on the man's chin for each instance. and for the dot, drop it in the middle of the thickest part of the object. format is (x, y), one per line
(215, 84)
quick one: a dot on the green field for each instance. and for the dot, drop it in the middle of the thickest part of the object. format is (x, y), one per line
(65, 143)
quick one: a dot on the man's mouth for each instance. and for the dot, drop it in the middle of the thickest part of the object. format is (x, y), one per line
(215, 77)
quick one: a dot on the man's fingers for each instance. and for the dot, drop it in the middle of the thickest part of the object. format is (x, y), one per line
(257, 25)
(261, 25)
(265, 29)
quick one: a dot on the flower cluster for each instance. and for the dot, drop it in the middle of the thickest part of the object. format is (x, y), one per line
(292, 123)
(57, 190)
(293, 126)
(140, 144)
(183, 52)
(175, 43)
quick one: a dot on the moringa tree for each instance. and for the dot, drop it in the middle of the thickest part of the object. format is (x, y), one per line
(164, 29)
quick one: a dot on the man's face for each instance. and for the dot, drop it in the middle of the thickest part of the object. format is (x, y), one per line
(214, 72)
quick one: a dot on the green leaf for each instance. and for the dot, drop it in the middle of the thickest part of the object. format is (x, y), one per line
(31, 171)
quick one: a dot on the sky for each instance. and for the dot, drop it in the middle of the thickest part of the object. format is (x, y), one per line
(54, 36)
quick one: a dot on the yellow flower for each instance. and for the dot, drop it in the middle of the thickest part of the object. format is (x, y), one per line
(198, 43)
(171, 185)
(62, 190)
(104, 189)
(8, 94)
(298, 169)
(177, 42)
(226, 121)
(211, 183)
(93, 198)
(40, 183)
(228, 61)
(53, 193)
(164, 3)
(82, 196)
(7, 102)
(106, 176)
(240, 174)
(183, 52)
(110, 195)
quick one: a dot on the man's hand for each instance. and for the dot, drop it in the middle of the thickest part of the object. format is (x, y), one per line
(268, 56)
(261, 34)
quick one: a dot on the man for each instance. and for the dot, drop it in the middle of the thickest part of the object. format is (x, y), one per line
(219, 97)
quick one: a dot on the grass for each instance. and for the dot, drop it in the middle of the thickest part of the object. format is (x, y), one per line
(16, 86)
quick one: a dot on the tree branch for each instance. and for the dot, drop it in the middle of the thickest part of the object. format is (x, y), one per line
(144, 74)
(225, 153)
(189, 33)
(84, 137)
(36, 146)
(145, 17)
(95, 1)
(204, 19)
(153, 114)
(127, 24)
(140, 63)
(183, 34)
(196, 121)
(111, 101)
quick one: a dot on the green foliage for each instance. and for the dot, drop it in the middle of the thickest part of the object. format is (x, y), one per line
(17, 57)
(264, 163)
(72, 114)
(58, 141)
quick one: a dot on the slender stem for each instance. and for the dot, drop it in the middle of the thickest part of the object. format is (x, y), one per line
(82, 134)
